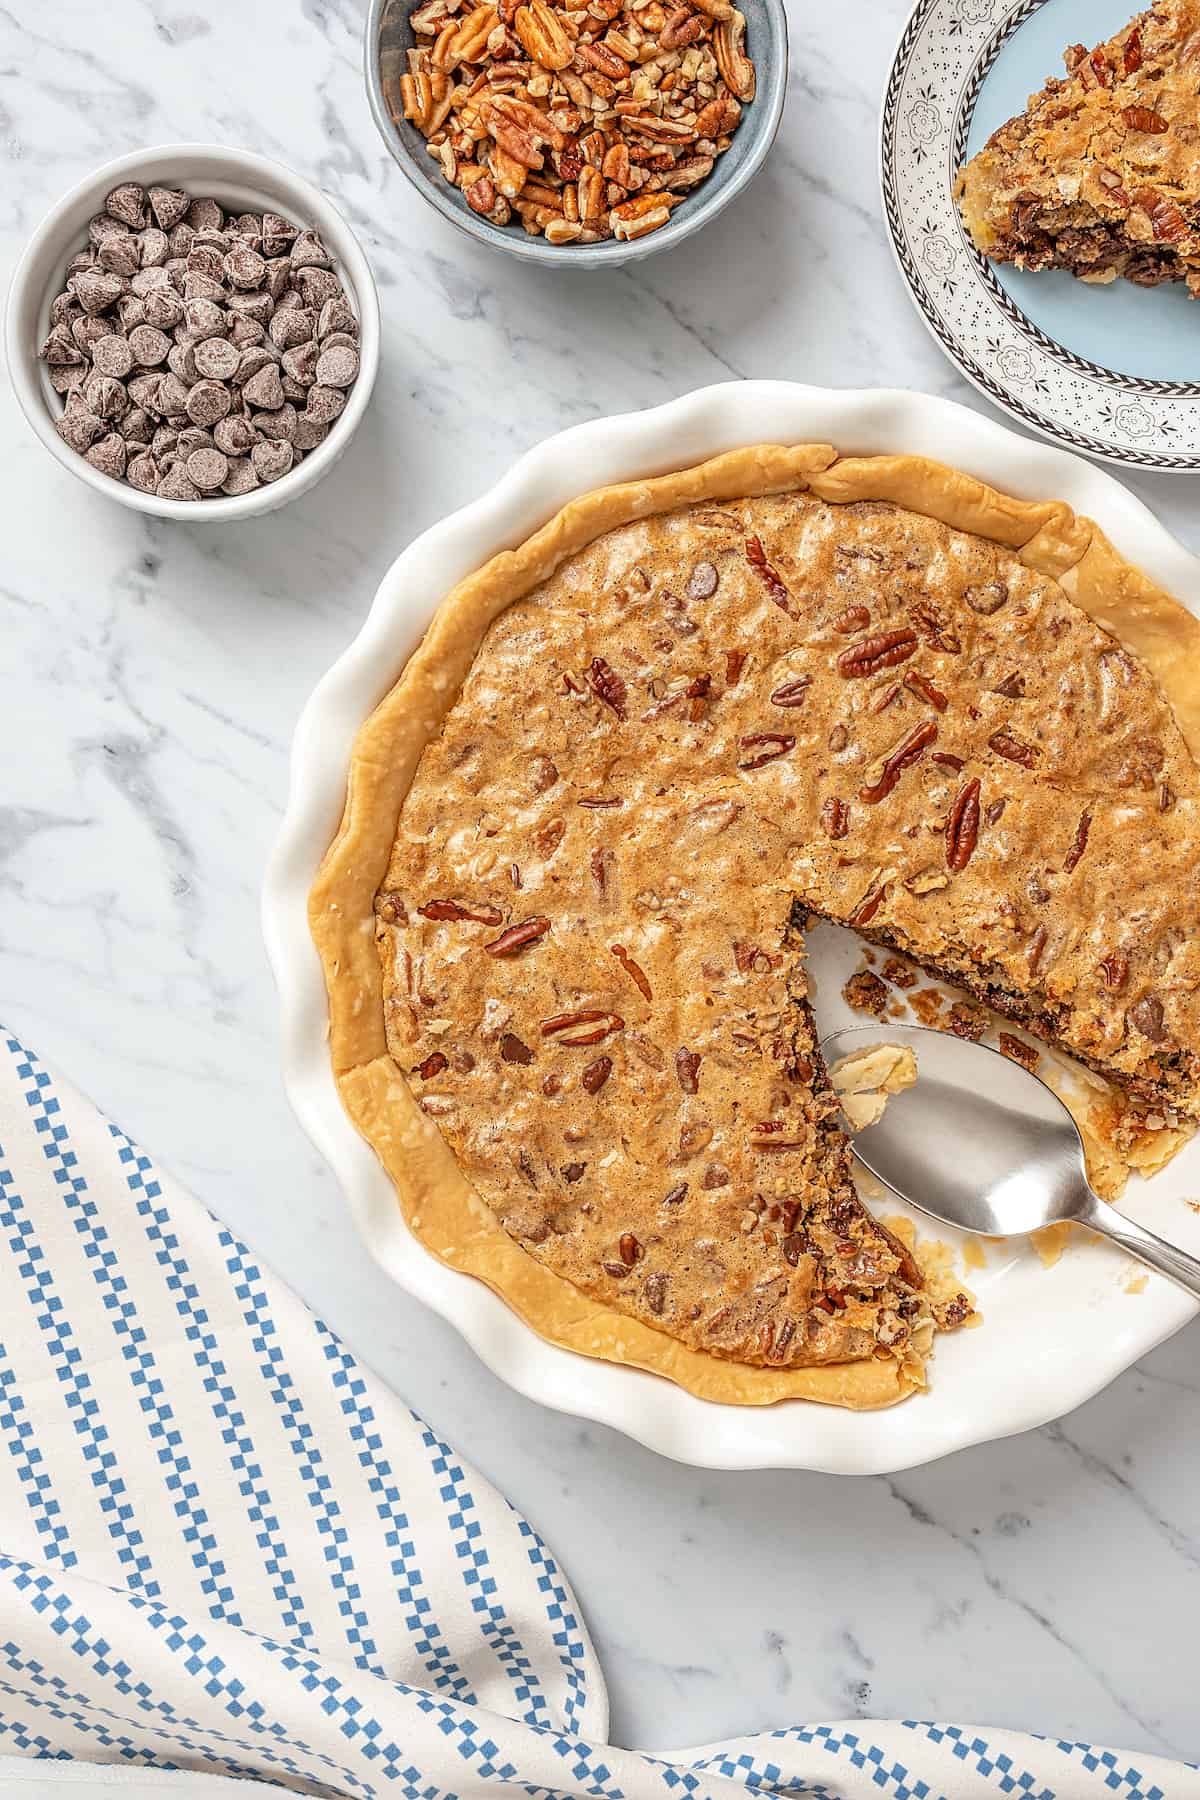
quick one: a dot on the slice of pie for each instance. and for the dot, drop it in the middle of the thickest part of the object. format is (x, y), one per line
(1101, 174)
(562, 924)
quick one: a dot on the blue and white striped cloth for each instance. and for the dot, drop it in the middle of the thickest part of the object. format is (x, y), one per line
(227, 1551)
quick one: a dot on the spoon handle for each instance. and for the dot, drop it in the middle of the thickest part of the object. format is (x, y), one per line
(1143, 1244)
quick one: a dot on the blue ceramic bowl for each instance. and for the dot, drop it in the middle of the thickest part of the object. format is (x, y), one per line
(389, 37)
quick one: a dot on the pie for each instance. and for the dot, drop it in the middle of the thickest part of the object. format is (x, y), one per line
(1101, 174)
(562, 923)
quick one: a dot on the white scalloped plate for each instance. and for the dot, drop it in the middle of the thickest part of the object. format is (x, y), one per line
(1051, 1337)
(1111, 370)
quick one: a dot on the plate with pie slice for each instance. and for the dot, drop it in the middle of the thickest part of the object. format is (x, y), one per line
(1041, 185)
(705, 725)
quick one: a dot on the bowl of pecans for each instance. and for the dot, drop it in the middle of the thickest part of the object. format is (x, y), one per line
(583, 134)
(194, 332)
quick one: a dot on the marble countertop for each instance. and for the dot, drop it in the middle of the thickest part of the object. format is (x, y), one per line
(150, 677)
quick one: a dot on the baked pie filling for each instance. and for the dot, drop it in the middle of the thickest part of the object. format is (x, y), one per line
(563, 923)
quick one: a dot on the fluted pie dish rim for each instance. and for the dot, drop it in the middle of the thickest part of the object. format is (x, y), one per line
(1007, 1386)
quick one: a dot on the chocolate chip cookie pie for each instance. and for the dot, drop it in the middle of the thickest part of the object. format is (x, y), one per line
(563, 921)
(1101, 174)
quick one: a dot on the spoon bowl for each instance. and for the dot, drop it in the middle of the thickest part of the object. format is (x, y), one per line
(983, 1144)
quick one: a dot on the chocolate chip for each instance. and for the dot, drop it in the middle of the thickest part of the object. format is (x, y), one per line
(96, 290)
(112, 355)
(241, 478)
(235, 435)
(217, 358)
(163, 308)
(291, 325)
(80, 428)
(244, 267)
(152, 247)
(108, 455)
(338, 367)
(337, 315)
(143, 472)
(264, 388)
(106, 397)
(176, 484)
(119, 254)
(204, 215)
(277, 234)
(128, 204)
(324, 404)
(168, 206)
(149, 346)
(300, 363)
(271, 459)
(181, 360)
(208, 469)
(207, 402)
(309, 252)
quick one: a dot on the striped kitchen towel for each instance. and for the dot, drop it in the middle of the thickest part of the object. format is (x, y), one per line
(228, 1554)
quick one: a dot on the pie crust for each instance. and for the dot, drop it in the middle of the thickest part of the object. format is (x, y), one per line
(442, 1207)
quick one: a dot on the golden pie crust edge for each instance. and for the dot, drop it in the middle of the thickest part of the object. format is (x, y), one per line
(441, 1207)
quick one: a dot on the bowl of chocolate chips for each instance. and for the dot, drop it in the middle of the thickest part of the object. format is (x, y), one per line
(194, 331)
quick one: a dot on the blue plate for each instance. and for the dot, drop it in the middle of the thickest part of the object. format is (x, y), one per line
(1151, 332)
(1113, 371)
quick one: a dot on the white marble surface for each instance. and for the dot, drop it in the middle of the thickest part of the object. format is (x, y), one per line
(149, 680)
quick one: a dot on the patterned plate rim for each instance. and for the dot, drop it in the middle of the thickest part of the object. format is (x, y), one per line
(1108, 451)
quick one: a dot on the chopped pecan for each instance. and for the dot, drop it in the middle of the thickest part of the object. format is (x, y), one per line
(947, 760)
(582, 1027)
(1133, 51)
(967, 1021)
(921, 684)
(777, 745)
(962, 827)
(517, 936)
(687, 1070)
(735, 662)
(1144, 118)
(995, 810)
(1037, 949)
(573, 1172)
(601, 862)
(433, 1065)
(543, 774)
(770, 577)
(1074, 855)
(909, 750)
(868, 906)
(674, 1195)
(635, 973)
(1115, 969)
(655, 1291)
(792, 693)
(835, 816)
(549, 838)
(512, 1050)
(453, 909)
(1018, 1050)
(871, 655)
(1005, 744)
(630, 1249)
(600, 802)
(853, 619)
(737, 71)
(596, 1074)
(607, 685)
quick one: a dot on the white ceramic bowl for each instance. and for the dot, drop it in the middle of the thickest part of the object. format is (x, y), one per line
(1050, 1337)
(241, 182)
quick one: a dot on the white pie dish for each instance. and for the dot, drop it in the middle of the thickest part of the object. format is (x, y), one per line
(1051, 1338)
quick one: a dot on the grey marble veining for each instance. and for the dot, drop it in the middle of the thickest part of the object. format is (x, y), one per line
(150, 676)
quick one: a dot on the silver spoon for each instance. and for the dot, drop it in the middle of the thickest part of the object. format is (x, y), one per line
(983, 1144)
